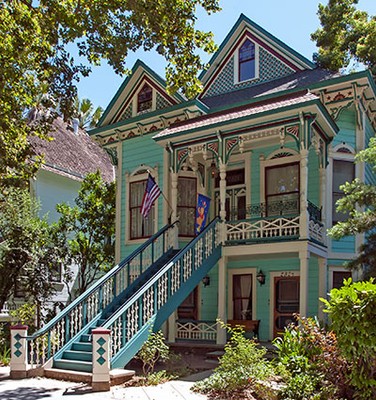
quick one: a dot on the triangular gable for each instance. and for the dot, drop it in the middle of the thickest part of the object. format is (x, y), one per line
(274, 59)
(122, 106)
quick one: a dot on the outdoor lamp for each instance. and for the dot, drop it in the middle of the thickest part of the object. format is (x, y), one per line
(260, 277)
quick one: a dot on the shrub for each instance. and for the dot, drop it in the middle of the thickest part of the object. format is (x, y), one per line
(242, 365)
(352, 312)
(152, 351)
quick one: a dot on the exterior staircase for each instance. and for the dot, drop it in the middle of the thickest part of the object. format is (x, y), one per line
(132, 299)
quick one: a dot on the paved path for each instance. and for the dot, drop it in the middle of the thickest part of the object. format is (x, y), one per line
(43, 388)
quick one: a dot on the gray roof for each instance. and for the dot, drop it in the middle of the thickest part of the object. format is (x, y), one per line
(298, 80)
(73, 155)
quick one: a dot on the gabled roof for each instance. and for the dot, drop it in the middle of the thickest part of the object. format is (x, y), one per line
(140, 74)
(266, 40)
(72, 155)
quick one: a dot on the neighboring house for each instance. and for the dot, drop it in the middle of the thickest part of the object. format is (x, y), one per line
(69, 157)
(270, 139)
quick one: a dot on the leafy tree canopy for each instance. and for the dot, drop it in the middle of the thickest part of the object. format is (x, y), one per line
(346, 34)
(34, 58)
(359, 202)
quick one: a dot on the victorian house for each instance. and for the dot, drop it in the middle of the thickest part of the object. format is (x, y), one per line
(269, 140)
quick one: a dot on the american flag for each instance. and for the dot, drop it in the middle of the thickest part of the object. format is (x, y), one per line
(152, 192)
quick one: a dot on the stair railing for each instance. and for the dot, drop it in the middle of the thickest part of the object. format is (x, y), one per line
(44, 343)
(143, 306)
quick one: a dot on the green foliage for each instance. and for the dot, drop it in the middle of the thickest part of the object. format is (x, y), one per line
(352, 312)
(27, 254)
(242, 365)
(85, 113)
(25, 314)
(85, 233)
(311, 357)
(152, 351)
(157, 377)
(359, 202)
(346, 34)
(36, 38)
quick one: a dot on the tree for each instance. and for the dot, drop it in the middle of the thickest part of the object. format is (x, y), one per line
(359, 202)
(87, 116)
(346, 34)
(35, 39)
(27, 255)
(84, 234)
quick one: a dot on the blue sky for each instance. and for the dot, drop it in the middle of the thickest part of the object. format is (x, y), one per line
(291, 21)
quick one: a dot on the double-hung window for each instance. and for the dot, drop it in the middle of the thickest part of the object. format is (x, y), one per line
(282, 189)
(145, 99)
(140, 227)
(246, 61)
(187, 200)
(343, 171)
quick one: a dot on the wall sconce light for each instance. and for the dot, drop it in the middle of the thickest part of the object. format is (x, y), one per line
(213, 169)
(261, 277)
(206, 280)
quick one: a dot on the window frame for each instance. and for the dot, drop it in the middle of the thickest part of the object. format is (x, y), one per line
(188, 207)
(148, 100)
(237, 62)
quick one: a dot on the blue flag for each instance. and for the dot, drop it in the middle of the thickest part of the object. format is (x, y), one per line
(202, 210)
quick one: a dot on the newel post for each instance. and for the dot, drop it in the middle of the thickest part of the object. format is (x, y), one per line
(18, 346)
(101, 359)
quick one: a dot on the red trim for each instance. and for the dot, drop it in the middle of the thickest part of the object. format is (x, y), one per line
(101, 331)
(19, 327)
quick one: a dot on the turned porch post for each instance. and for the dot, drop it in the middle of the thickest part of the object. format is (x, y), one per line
(303, 291)
(304, 194)
(222, 190)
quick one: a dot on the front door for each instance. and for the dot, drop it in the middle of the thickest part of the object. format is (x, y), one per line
(188, 309)
(286, 304)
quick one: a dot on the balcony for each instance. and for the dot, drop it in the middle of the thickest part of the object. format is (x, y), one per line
(273, 221)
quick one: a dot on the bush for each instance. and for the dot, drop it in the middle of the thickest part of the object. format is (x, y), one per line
(241, 366)
(352, 312)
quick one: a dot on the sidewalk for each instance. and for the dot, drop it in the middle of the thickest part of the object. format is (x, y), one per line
(44, 388)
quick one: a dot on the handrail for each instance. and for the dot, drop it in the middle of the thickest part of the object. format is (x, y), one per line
(102, 297)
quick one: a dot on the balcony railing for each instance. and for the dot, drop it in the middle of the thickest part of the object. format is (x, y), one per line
(276, 220)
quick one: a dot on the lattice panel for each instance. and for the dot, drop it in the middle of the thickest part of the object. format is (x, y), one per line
(270, 68)
(161, 102)
(127, 113)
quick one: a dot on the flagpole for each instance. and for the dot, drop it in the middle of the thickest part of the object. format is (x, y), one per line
(168, 203)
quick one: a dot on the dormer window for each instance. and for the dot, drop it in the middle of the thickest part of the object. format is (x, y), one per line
(144, 99)
(246, 61)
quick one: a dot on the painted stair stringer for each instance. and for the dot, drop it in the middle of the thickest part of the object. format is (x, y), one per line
(76, 355)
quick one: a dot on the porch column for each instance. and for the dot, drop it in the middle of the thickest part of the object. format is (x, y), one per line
(303, 293)
(303, 194)
(171, 337)
(18, 348)
(323, 286)
(323, 202)
(222, 190)
(222, 314)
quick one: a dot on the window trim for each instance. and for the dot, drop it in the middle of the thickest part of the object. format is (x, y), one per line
(192, 177)
(236, 62)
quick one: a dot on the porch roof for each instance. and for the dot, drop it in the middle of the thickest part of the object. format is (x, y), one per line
(256, 107)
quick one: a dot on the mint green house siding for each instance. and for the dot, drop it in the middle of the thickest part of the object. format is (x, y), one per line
(347, 128)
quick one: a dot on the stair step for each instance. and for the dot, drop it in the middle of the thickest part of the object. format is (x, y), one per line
(77, 355)
(85, 338)
(73, 365)
(82, 346)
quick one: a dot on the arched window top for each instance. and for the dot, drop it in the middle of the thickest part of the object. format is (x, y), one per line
(246, 61)
(144, 98)
(344, 148)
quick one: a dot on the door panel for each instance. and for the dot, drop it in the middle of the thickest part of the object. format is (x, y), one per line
(286, 304)
(188, 309)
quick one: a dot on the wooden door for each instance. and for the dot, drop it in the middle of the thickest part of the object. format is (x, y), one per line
(188, 309)
(286, 303)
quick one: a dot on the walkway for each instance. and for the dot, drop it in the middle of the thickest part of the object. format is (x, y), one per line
(43, 388)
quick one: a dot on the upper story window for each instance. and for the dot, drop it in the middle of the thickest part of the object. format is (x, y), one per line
(145, 99)
(343, 171)
(187, 200)
(282, 189)
(246, 61)
(139, 226)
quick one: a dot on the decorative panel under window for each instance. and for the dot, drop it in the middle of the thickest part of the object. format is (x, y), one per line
(187, 200)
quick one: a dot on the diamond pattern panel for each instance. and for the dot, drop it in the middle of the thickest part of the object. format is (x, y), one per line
(127, 113)
(162, 102)
(270, 68)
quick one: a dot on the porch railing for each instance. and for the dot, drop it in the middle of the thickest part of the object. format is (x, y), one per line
(56, 333)
(196, 330)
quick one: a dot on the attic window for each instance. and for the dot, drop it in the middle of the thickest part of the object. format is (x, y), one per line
(246, 61)
(144, 98)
